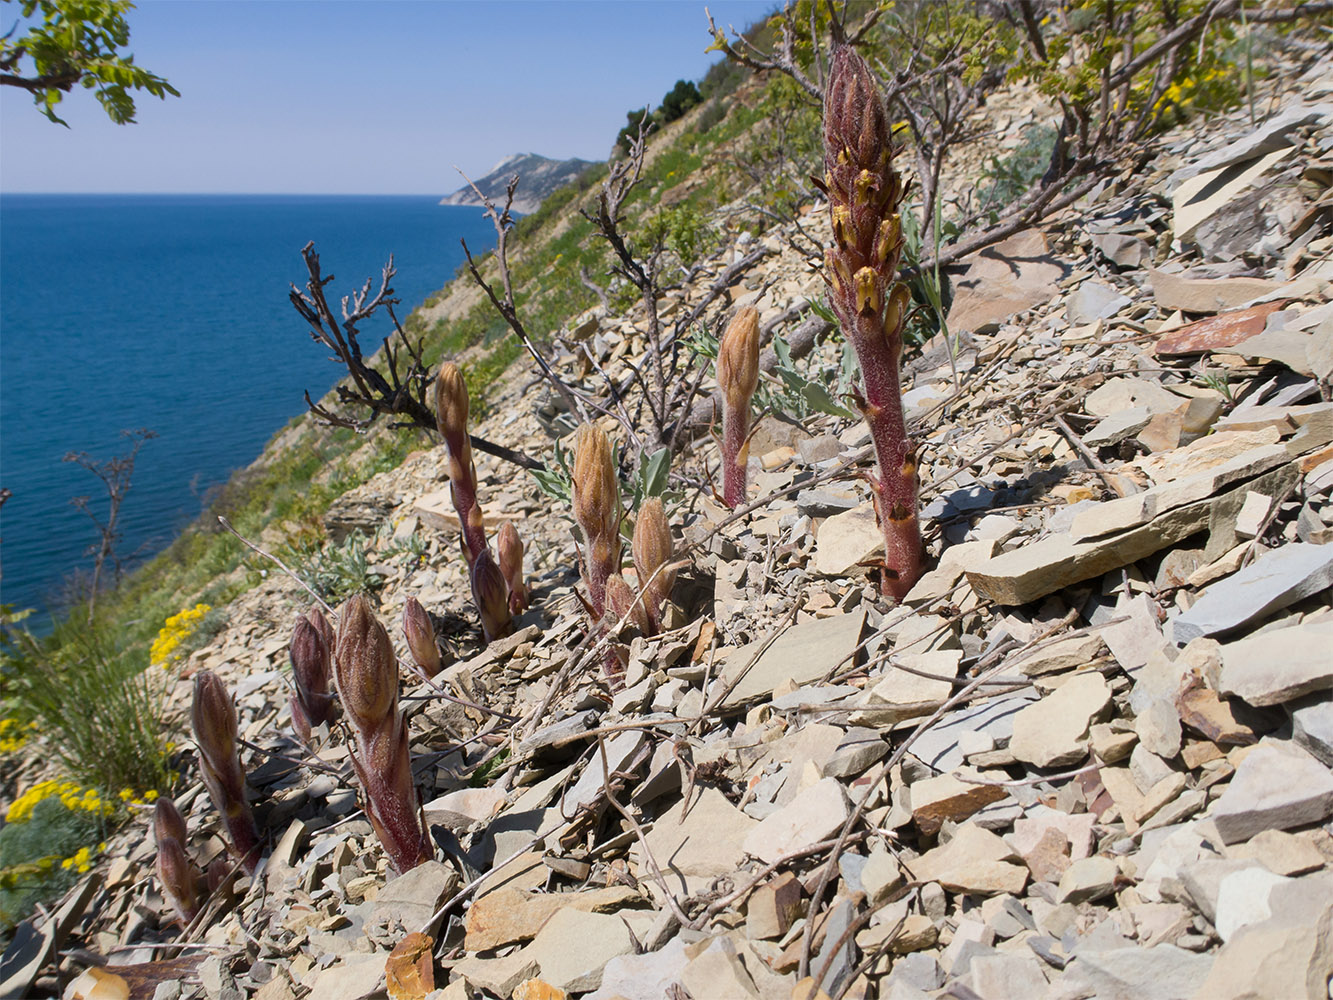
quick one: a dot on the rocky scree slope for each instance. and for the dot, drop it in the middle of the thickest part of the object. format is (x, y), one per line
(1091, 755)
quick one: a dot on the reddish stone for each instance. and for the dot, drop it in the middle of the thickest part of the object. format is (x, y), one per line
(1216, 333)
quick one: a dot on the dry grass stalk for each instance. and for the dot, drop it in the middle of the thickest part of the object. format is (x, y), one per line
(367, 677)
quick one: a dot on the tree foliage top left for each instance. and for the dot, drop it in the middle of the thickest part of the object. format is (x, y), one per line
(64, 43)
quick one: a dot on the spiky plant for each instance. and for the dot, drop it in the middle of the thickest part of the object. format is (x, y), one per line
(366, 673)
(737, 377)
(596, 494)
(312, 672)
(174, 870)
(510, 547)
(652, 553)
(865, 192)
(420, 636)
(213, 718)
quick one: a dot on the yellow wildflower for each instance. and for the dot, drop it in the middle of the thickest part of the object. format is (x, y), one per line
(176, 630)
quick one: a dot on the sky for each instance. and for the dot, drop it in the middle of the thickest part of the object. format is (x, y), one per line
(361, 96)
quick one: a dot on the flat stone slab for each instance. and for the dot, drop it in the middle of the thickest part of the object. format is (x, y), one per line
(1118, 426)
(802, 655)
(1279, 666)
(939, 746)
(1277, 786)
(1140, 508)
(1206, 295)
(1054, 731)
(948, 796)
(574, 947)
(708, 843)
(812, 816)
(510, 915)
(846, 540)
(1032, 571)
(1215, 333)
(975, 860)
(1003, 280)
(901, 694)
(1277, 579)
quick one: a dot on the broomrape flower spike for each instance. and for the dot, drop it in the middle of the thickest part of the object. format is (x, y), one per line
(367, 677)
(213, 717)
(652, 554)
(490, 594)
(451, 412)
(737, 377)
(174, 870)
(312, 667)
(420, 636)
(510, 547)
(597, 511)
(865, 192)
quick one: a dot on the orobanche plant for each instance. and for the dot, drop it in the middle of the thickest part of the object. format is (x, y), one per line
(864, 192)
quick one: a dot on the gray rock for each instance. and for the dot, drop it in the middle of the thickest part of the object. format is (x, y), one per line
(846, 540)
(1043, 567)
(1092, 301)
(409, 901)
(643, 977)
(938, 746)
(1163, 972)
(1288, 955)
(620, 750)
(1122, 251)
(1312, 727)
(1279, 665)
(1242, 899)
(1202, 880)
(1140, 508)
(918, 970)
(975, 861)
(573, 947)
(1087, 880)
(802, 654)
(1118, 426)
(1277, 579)
(1054, 731)
(1276, 786)
(825, 502)
(1008, 278)
(542, 740)
(809, 818)
(859, 749)
(1006, 977)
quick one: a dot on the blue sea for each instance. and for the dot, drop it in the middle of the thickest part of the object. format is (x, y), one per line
(170, 312)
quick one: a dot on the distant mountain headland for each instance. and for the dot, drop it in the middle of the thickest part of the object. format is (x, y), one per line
(539, 176)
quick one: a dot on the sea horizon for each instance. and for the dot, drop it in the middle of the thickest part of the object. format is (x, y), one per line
(121, 310)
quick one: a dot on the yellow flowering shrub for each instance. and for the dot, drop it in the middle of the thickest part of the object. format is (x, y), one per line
(167, 648)
(72, 796)
(14, 734)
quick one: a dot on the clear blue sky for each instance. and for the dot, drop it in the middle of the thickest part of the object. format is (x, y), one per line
(351, 96)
